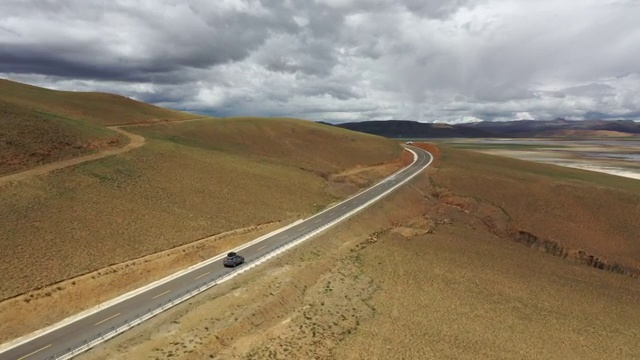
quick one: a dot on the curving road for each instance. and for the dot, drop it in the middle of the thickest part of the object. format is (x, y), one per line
(97, 326)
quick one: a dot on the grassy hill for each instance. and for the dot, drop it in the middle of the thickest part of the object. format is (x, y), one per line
(303, 144)
(97, 108)
(190, 180)
(40, 126)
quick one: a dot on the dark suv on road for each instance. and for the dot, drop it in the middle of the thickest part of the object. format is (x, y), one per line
(233, 260)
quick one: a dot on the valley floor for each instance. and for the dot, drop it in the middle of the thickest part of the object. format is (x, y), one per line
(615, 157)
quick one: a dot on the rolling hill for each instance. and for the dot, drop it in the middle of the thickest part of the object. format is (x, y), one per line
(40, 126)
(190, 180)
(93, 107)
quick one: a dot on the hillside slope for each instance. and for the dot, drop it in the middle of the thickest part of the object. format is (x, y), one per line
(310, 146)
(40, 126)
(29, 138)
(189, 181)
(93, 107)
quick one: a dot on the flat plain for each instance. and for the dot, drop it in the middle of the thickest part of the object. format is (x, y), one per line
(616, 156)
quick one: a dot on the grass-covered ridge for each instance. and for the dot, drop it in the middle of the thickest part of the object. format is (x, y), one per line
(304, 144)
(94, 107)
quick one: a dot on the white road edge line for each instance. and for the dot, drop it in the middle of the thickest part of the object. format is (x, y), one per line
(21, 340)
(17, 342)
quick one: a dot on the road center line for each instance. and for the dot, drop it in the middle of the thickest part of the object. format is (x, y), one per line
(37, 351)
(262, 247)
(199, 276)
(109, 318)
(157, 296)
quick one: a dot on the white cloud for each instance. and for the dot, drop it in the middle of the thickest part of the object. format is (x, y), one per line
(523, 115)
(346, 60)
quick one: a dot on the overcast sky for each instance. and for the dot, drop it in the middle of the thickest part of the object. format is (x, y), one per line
(337, 60)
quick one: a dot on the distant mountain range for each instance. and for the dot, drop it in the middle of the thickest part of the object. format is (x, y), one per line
(519, 128)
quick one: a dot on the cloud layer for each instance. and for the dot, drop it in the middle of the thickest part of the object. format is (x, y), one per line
(337, 60)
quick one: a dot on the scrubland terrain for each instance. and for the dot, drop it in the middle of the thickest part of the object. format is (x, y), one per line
(29, 138)
(162, 195)
(63, 231)
(309, 146)
(577, 209)
(436, 270)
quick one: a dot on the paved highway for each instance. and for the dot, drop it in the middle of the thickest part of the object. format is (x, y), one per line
(55, 344)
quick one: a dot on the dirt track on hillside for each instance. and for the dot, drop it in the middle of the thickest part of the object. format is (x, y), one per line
(135, 141)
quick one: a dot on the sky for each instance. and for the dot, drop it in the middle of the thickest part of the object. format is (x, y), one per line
(448, 61)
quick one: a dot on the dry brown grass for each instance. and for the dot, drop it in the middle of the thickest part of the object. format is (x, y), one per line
(310, 146)
(101, 213)
(29, 138)
(40, 126)
(77, 220)
(97, 108)
(24, 314)
(370, 289)
(580, 210)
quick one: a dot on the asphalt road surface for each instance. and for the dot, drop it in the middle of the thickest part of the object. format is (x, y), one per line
(77, 333)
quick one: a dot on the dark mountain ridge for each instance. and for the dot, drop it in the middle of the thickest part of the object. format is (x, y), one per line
(516, 128)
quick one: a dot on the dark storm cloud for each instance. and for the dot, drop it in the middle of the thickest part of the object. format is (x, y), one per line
(427, 60)
(437, 8)
(124, 42)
